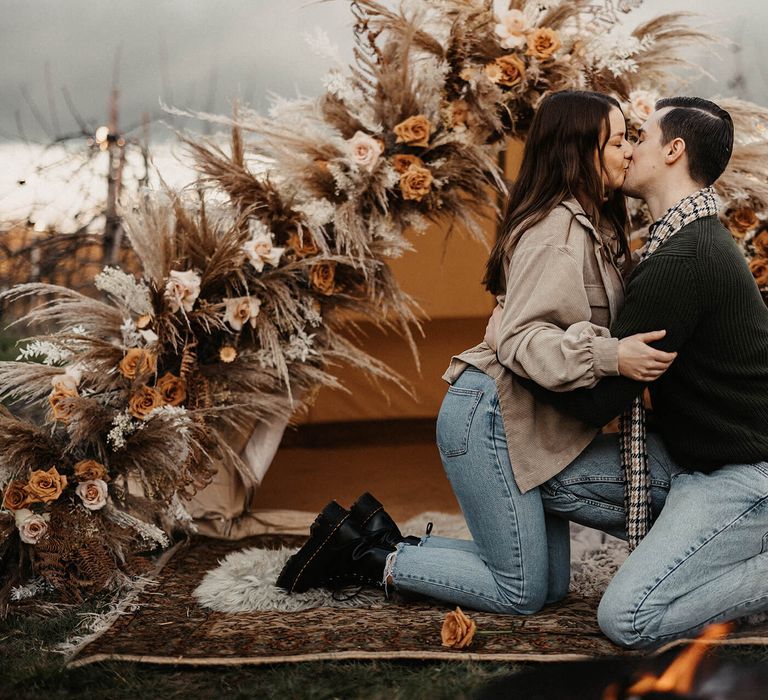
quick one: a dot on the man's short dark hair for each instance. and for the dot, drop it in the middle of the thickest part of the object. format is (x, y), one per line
(707, 131)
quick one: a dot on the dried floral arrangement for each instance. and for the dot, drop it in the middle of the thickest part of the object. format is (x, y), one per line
(249, 288)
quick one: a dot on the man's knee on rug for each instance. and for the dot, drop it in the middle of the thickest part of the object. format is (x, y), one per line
(630, 617)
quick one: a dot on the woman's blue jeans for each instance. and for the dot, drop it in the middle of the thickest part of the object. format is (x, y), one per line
(704, 560)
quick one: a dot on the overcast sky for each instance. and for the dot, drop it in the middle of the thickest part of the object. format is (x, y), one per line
(201, 54)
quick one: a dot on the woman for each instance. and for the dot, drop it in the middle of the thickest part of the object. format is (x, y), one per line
(556, 271)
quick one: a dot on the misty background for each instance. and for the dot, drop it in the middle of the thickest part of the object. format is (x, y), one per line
(203, 55)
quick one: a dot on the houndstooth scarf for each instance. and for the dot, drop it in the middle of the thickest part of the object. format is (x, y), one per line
(637, 490)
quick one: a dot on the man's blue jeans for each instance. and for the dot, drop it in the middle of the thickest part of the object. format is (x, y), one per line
(705, 558)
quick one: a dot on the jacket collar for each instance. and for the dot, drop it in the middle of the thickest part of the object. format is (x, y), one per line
(573, 206)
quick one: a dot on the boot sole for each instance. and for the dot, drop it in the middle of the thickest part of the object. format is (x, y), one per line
(300, 567)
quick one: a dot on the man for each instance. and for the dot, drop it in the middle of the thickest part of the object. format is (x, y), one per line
(706, 556)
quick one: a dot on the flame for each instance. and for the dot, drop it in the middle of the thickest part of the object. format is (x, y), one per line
(680, 674)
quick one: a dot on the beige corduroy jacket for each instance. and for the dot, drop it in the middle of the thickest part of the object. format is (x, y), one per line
(563, 291)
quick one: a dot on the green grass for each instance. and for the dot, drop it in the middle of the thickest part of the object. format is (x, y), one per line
(8, 349)
(31, 669)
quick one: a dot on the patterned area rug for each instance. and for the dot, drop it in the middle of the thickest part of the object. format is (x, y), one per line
(167, 625)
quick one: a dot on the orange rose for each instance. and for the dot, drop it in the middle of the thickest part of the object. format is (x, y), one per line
(45, 486)
(138, 363)
(506, 70)
(743, 220)
(302, 245)
(401, 162)
(61, 407)
(458, 630)
(414, 131)
(143, 402)
(90, 469)
(760, 241)
(415, 183)
(15, 496)
(227, 354)
(173, 389)
(542, 43)
(322, 277)
(759, 269)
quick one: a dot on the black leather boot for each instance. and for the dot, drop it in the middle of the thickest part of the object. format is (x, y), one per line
(338, 553)
(369, 515)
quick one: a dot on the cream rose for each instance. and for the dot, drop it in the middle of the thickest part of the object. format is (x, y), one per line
(70, 380)
(32, 527)
(241, 310)
(259, 248)
(45, 486)
(182, 289)
(458, 630)
(511, 29)
(414, 131)
(173, 389)
(641, 105)
(542, 43)
(92, 493)
(365, 150)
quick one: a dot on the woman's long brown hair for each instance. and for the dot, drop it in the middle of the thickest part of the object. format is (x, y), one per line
(558, 164)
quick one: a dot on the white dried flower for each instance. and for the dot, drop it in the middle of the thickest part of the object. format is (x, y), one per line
(130, 333)
(317, 212)
(613, 50)
(31, 589)
(147, 531)
(299, 348)
(123, 426)
(322, 46)
(50, 353)
(124, 289)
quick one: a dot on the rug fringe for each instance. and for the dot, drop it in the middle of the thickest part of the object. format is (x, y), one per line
(96, 624)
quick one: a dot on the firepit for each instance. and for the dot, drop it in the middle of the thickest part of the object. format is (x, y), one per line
(699, 672)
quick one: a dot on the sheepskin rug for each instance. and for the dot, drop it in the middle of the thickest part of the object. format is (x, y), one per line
(245, 581)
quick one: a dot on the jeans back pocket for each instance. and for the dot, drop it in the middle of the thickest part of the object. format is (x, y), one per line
(455, 420)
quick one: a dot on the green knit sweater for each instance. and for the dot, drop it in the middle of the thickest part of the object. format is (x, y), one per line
(711, 405)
